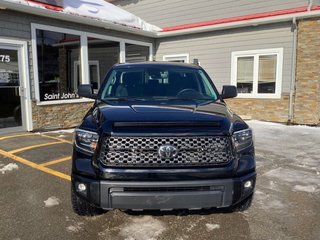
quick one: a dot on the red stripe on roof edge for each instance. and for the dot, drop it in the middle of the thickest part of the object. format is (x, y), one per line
(240, 18)
(47, 6)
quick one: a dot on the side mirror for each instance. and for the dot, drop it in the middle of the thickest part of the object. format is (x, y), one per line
(229, 91)
(86, 90)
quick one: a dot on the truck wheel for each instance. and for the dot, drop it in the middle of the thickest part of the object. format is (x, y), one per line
(82, 207)
(244, 205)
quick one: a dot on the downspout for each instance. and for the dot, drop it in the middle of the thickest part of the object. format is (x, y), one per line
(310, 3)
(293, 71)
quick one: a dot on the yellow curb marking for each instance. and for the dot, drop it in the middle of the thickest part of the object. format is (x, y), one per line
(17, 135)
(33, 146)
(55, 161)
(35, 166)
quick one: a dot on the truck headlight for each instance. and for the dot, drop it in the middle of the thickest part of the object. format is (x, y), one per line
(242, 139)
(86, 140)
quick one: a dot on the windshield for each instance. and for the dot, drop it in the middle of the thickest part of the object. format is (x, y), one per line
(158, 83)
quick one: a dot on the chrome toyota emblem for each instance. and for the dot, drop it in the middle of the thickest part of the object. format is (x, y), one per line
(167, 151)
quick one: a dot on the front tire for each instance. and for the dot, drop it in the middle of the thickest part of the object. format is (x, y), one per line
(244, 205)
(83, 208)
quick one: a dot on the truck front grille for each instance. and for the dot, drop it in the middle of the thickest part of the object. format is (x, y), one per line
(144, 151)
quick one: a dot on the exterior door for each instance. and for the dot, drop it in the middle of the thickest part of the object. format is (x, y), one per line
(12, 108)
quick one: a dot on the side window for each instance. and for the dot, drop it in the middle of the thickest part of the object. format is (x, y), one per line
(208, 89)
(136, 53)
(110, 83)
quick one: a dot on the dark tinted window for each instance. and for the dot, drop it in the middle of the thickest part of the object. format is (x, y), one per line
(158, 83)
(56, 54)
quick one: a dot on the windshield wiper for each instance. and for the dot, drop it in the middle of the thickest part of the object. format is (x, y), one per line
(184, 99)
(106, 100)
(121, 99)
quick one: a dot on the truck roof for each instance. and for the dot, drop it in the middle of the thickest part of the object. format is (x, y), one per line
(157, 64)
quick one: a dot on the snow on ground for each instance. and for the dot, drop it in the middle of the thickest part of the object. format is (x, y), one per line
(61, 131)
(308, 189)
(268, 201)
(9, 167)
(266, 125)
(211, 227)
(288, 159)
(75, 228)
(268, 131)
(293, 176)
(52, 201)
(145, 228)
(298, 145)
(295, 150)
(71, 130)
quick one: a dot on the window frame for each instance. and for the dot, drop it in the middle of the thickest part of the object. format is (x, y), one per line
(176, 57)
(76, 65)
(84, 56)
(255, 54)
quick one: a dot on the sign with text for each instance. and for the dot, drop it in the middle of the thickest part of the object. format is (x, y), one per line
(5, 58)
(58, 96)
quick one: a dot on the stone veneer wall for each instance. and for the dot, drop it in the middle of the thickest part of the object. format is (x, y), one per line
(58, 116)
(70, 115)
(306, 109)
(274, 110)
(307, 99)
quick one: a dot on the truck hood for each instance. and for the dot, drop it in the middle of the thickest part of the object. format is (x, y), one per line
(149, 117)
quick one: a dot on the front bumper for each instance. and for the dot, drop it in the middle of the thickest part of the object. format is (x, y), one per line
(165, 195)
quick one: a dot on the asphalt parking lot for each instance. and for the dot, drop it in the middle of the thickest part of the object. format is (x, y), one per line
(35, 194)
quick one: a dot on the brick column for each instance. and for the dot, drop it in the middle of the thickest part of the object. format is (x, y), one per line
(307, 99)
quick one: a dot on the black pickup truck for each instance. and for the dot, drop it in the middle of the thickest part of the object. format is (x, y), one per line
(160, 136)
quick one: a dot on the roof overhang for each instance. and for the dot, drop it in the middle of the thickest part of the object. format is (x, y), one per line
(44, 12)
(243, 21)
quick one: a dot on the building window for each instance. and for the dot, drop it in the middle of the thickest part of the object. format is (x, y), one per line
(54, 54)
(103, 54)
(64, 58)
(94, 74)
(257, 73)
(183, 58)
(136, 53)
